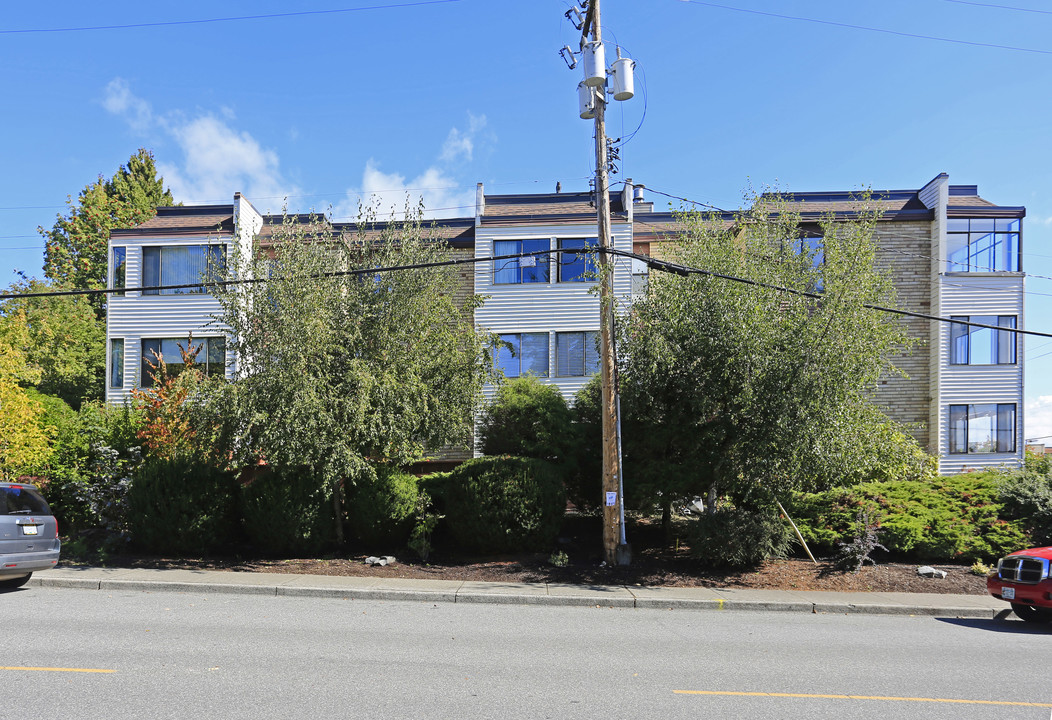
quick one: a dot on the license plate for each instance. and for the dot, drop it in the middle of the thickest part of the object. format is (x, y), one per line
(29, 529)
(1008, 593)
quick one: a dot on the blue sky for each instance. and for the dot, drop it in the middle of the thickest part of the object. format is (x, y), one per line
(360, 96)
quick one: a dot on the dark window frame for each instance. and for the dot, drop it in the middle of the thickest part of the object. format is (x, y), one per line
(1004, 437)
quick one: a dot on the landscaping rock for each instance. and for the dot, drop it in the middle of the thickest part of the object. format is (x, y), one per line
(927, 571)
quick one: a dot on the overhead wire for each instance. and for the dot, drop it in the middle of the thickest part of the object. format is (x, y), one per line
(233, 18)
(653, 263)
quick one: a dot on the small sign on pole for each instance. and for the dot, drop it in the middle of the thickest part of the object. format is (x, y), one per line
(611, 499)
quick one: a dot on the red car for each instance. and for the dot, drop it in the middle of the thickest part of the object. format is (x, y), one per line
(1024, 579)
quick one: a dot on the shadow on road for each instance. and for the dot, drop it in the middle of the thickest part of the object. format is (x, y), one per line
(1015, 627)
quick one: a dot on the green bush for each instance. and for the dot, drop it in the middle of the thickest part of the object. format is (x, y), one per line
(950, 518)
(181, 506)
(286, 510)
(739, 538)
(499, 504)
(1027, 499)
(527, 418)
(382, 505)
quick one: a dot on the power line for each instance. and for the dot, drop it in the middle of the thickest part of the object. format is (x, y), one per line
(227, 19)
(660, 265)
(1001, 7)
(916, 36)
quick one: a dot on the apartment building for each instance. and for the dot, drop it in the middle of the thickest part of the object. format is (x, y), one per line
(950, 253)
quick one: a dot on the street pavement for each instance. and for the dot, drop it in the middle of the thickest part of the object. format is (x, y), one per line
(552, 594)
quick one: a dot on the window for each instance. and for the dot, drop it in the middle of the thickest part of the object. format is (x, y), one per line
(970, 345)
(576, 266)
(524, 354)
(531, 269)
(812, 252)
(982, 244)
(211, 356)
(986, 428)
(116, 362)
(181, 265)
(576, 353)
(119, 262)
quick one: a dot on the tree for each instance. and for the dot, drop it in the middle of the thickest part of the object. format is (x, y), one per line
(25, 443)
(335, 370)
(527, 418)
(748, 392)
(75, 247)
(64, 341)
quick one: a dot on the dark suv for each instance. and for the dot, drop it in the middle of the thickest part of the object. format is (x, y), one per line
(28, 534)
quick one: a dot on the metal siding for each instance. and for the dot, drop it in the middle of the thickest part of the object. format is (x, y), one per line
(134, 317)
(977, 384)
(545, 307)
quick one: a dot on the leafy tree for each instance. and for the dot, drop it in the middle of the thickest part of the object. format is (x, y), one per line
(333, 370)
(75, 246)
(25, 443)
(745, 391)
(527, 418)
(64, 343)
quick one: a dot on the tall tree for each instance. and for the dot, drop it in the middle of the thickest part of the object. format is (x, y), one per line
(75, 246)
(24, 441)
(333, 370)
(738, 390)
(63, 341)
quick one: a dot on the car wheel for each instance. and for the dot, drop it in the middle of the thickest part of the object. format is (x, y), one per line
(1032, 614)
(15, 582)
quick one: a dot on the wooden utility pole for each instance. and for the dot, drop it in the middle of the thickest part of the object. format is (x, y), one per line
(614, 549)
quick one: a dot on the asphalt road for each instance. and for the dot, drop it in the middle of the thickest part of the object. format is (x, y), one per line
(128, 654)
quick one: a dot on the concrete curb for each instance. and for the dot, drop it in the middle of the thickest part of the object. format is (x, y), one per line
(435, 591)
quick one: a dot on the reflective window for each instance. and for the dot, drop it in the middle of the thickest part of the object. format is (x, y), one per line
(577, 353)
(970, 345)
(210, 356)
(982, 244)
(529, 269)
(523, 354)
(576, 267)
(985, 428)
(181, 265)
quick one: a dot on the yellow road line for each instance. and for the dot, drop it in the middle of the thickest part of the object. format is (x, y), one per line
(51, 669)
(861, 697)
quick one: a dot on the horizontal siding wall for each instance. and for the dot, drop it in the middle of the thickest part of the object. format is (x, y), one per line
(135, 317)
(546, 307)
(979, 294)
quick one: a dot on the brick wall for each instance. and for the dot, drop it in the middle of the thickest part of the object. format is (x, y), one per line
(904, 250)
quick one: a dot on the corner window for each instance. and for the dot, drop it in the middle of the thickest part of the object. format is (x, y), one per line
(181, 265)
(530, 269)
(982, 244)
(116, 362)
(523, 354)
(970, 345)
(577, 266)
(577, 353)
(986, 428)
(211, 356)
(118, 261)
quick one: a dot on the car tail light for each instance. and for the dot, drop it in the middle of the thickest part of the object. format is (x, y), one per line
(56, 527)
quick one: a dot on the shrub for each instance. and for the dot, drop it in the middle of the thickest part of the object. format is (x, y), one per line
(181, 506)
(1027, 499)
(286, 510)
(584, 484)
(739, 537)
(948, 518)
(382, 504)
(497, 504)
(527, 418)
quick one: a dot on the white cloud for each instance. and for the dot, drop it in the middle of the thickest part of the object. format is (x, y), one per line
(441, 193)
(217, 159)
(1038, 419)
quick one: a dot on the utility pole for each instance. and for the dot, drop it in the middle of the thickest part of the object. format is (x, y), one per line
(615, 549)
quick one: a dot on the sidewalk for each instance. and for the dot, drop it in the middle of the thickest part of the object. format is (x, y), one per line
(662, 598)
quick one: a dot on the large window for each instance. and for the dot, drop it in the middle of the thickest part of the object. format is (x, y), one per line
(530, 269)
(523, 354)
(181, 265)
(986, 428)
(576, 353)
(211, 356)
(119, 262)
(970, 345)
(116, 362)
(811, 249)
(576, 266)
(982, 244)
